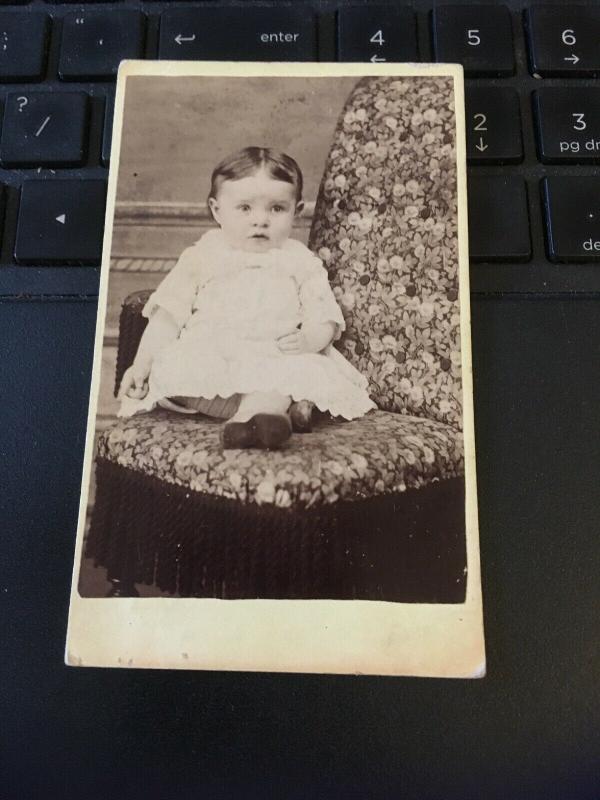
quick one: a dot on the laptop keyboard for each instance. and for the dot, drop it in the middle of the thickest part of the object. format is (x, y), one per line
(532, 118)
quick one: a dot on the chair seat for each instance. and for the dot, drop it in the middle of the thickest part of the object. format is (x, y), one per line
(380, 453)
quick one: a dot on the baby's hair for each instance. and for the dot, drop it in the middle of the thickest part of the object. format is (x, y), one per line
(249, 160)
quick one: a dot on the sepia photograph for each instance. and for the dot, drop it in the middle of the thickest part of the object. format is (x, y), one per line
(282, 403)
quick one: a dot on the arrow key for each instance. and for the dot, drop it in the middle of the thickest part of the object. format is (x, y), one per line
(563, 40)
(493, 126)
(61, 222)
(376, 33)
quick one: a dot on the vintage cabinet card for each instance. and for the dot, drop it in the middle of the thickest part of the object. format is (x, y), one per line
(280, 463)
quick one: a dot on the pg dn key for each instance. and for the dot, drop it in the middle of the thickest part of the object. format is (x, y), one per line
(568, 124)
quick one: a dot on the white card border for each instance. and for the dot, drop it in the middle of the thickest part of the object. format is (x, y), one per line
(328, 636)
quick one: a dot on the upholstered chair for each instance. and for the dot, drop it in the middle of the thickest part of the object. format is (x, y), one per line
(371, 509)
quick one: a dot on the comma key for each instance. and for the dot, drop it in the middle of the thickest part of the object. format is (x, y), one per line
(227, 33)
(572, 208)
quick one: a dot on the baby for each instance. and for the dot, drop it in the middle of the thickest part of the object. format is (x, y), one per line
(246, 314)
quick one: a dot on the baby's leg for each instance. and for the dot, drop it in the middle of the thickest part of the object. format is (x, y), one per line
(261, 403)
(260, 421)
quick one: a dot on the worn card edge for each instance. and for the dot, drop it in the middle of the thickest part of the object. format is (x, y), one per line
(139, 626)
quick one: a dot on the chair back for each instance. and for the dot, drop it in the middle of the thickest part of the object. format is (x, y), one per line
(385, 226)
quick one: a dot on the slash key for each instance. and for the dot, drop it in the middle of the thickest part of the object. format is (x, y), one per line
(44, 128)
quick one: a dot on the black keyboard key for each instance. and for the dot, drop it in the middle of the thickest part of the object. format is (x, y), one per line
(564, 40)
(376, 33)
(23, 45)
(61, 222)
(493, 121)
(568, 124)
(478, 37)
(95, 42)
(44, 128)
(498, 219)
(222, 33)
(109, 110)
(572, 207)
(2, 209)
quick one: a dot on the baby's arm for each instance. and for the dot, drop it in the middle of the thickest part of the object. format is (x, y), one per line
(162, 329)
(312, 337)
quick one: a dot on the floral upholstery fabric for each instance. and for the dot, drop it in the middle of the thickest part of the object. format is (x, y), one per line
(379, 453)
(385, 225)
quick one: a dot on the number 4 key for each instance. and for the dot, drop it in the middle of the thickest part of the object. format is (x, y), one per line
(376, 33)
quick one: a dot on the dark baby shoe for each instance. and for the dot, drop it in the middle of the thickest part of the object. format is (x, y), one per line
(301, 416)
(266, 431)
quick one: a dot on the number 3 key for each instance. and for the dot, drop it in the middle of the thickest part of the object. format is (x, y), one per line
(568, 124)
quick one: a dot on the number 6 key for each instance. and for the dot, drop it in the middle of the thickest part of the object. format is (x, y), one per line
(563, 41)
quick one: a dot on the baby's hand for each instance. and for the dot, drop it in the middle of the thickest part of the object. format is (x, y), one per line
(293, 343)
(134, 383)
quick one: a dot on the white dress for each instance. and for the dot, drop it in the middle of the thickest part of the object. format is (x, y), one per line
(231, 307)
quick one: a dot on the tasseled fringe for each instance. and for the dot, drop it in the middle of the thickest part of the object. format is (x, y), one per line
(407, 547)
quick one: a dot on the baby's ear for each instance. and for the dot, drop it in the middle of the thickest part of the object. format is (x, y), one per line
(214, 208)
(299, 207)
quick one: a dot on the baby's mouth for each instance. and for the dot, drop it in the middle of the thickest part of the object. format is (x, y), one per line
(261, 236)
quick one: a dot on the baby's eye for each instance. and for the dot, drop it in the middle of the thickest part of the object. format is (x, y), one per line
(278, 209)
(244, 207)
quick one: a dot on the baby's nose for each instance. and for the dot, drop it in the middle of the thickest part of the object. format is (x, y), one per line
(261, 218)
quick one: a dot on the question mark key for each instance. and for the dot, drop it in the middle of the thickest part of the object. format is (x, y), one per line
(44, 129)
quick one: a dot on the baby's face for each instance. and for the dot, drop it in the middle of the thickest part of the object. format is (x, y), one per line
(255, 213)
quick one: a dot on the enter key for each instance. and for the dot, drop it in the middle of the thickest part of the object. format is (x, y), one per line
(286, 33)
